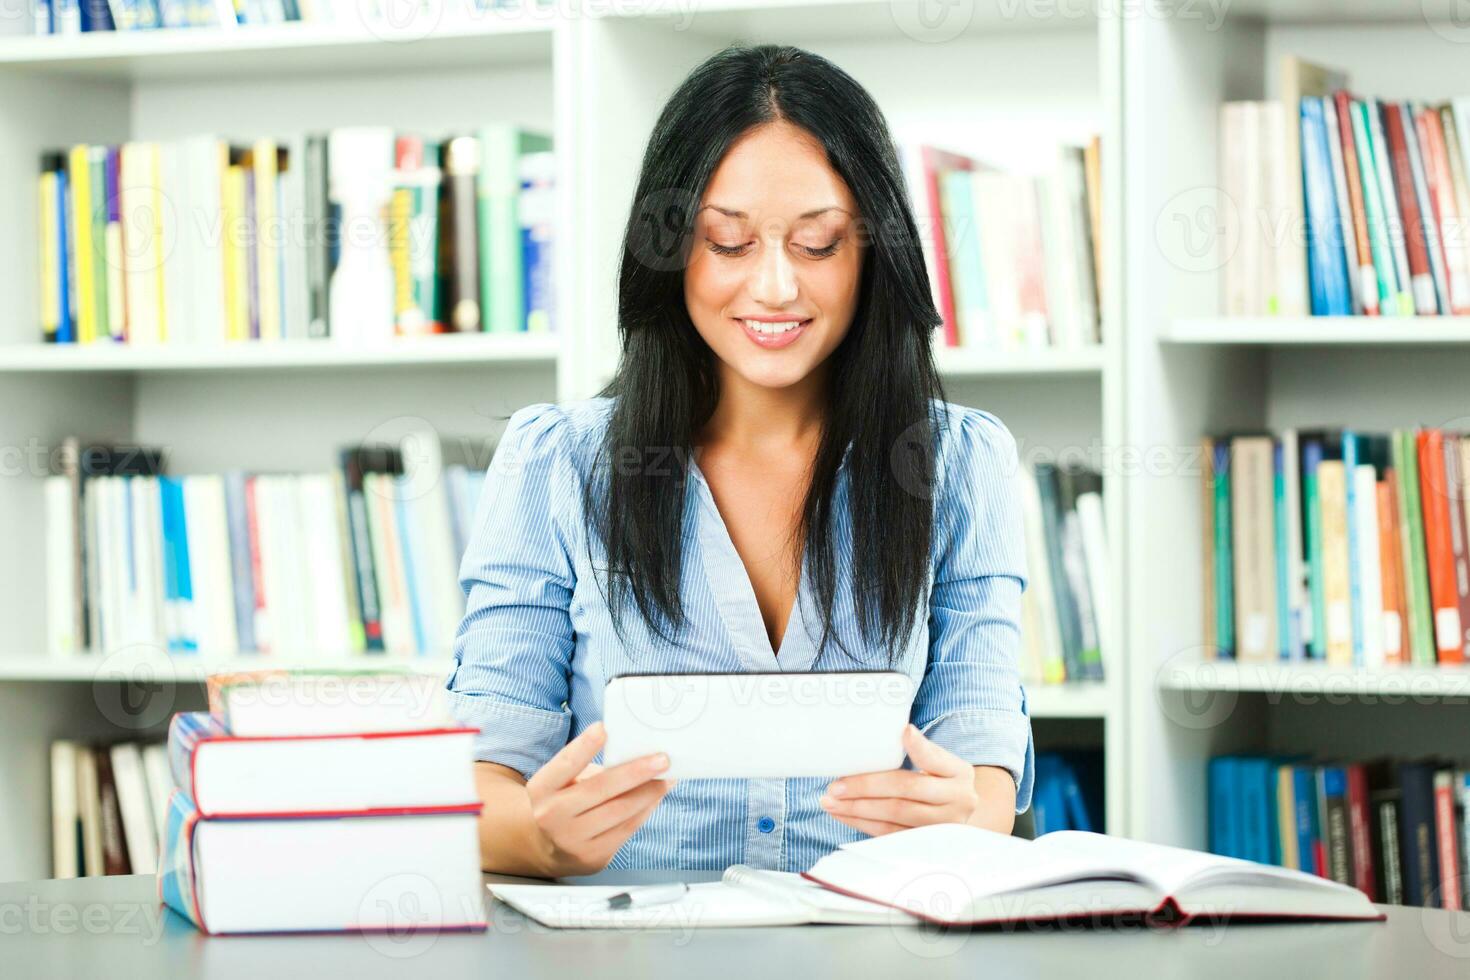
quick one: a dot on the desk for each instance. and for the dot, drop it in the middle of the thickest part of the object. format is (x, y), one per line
(113, 928)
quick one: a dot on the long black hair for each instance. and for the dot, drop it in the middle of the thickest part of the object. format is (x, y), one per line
(882, 378)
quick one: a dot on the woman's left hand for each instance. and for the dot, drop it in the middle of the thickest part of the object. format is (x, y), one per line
(941, 790)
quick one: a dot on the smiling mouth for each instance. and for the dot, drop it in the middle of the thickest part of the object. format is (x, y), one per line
(773, 335)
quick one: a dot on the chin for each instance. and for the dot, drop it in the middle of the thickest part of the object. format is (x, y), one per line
(773, 372)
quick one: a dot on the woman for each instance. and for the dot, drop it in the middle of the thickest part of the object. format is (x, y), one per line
(771, 482)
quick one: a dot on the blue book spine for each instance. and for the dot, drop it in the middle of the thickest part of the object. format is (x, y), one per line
(1331, 295)
(408, 537)
(1224, 563)
(1312, 527)
(65, 327)
(1077, 816)
(176, 869)
(176, 561)
(1350, 456)
(1224, 806)
(1048, 802)
(96, 16)
(1254, 803)
(1304, 783)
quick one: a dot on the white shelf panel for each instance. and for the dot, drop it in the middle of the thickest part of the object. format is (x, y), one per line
(1322, 680)
(286, 354)
(1338, 12)
(299, 48)
(1076, 700)
(92, 668)
(1320, 330)
(901, 21)
(979, 362)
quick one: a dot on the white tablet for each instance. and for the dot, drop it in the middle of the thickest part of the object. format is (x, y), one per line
(751, 725)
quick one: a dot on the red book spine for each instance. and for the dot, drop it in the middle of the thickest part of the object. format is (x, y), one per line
(1368, 289)
(1447, 212)
(1444, 828)
(1359, 832)
(1413, 230)
(935, 162)
(1395, 616)
(1438, 548)
(262, 636)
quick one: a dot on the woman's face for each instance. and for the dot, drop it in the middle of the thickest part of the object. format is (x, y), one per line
(772, 280)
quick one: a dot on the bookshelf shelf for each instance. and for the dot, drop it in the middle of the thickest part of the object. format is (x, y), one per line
(297, 48)
(979, 362)
(163, 669)
(447, 349)
(1323, 682)
(1343, 331)
(1076, 700)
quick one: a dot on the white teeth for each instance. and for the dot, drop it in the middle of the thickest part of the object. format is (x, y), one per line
(771, 328)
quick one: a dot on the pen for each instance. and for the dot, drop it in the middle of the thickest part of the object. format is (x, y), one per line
(652, 895)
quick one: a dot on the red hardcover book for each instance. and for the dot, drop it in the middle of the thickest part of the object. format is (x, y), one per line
(935, 162)
(1447, 840)
(372, 773)
(1439, 552)
(1360, 830)
(1368, 288)
(1422, 279)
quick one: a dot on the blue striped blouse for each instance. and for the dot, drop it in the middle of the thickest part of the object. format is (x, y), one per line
(536, 645)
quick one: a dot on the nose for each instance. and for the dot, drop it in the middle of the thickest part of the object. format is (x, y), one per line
(774, 279)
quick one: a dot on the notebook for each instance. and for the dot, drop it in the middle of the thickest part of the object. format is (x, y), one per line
(955, 874)
(744, 896)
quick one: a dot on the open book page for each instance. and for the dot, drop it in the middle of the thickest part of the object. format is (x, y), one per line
(951, 866)
(1174, 870)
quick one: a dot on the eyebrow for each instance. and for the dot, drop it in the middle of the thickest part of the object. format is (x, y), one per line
(731, 213)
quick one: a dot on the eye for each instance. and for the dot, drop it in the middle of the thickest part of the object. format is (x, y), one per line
(823, 252)
(731, 250)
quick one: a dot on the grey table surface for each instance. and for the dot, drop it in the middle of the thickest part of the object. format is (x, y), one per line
(114, 928)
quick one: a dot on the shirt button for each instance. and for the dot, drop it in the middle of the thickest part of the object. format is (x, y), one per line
(765, 825)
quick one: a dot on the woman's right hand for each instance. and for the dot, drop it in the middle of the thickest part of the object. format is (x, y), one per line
(585, 812)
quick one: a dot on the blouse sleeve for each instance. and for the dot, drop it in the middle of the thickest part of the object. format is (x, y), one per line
(513, 648)
(971, 701)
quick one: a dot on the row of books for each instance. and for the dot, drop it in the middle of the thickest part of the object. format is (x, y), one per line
(1014, 259)
(1067, 608)
(247, 845)
(362, 558)
(108, 804)
(88, 16)
(1395, 830)
(358, 234)
(1346, 205)
(1337, 545)
(1069, 791)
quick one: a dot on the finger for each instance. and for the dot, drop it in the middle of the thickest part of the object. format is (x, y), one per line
(606, 815)
(931, 757)
(906, 813)
(573, 757)
(903, 783)
(595, 790)
(587, 773)
(873, 828)
(624, 829)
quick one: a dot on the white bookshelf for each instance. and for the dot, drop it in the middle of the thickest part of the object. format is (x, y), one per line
(999, 80)
(1192, 372)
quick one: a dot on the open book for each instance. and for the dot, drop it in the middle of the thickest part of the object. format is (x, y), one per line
(960, 875)
(744, 896)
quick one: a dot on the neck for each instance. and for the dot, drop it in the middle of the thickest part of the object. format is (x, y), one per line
(750, 416)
